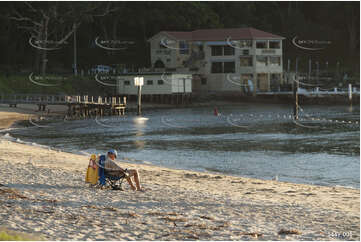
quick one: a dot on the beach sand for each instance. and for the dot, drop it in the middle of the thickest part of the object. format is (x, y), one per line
(10, 115)
(43, 192)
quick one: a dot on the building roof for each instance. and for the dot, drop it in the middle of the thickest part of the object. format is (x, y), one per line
(222, 34)
(180, 35)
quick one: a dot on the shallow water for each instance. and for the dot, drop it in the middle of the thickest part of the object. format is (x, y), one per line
(250, 140)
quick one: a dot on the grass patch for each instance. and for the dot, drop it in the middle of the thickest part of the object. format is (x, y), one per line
(6, 235)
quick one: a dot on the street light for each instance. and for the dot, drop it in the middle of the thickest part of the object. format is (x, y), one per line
(139, 81)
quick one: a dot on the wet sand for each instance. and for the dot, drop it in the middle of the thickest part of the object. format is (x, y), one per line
(10, 115)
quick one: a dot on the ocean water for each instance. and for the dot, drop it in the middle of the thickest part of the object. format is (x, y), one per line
(249, 140)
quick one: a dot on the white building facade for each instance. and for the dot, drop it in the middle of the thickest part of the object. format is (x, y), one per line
(236, 60)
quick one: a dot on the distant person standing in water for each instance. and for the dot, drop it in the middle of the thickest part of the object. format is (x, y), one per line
(215, 111)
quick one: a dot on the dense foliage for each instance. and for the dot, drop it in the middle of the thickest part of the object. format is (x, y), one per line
(337, 22)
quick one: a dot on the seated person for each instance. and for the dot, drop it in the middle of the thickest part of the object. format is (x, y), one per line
(115, 170)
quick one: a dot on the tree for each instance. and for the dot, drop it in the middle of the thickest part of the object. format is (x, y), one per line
(53, 23)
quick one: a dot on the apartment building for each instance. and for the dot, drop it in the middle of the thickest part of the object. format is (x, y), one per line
(237, 60)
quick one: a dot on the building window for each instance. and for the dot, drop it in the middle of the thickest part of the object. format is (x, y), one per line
(261, 60)
(229, 67)
(245, 52)
(275, 60)
(245, 43)
(246, 61)
(204, 81)
(228, 50)
(261, 44)
(183, 47)
(160, 82)
(262, 82)
(126, 83)
(274, 44)
(223, 67)
(222, 50)
(149, 82)
(217, 50)
(217, 67)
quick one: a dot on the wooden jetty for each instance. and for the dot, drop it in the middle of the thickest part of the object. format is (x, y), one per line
(78, 106)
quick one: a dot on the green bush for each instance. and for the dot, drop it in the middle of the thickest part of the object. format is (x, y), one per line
(71, 86)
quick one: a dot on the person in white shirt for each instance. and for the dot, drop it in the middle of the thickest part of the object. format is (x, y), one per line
(116, 170)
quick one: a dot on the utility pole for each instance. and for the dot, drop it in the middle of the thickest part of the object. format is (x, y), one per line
(138, 81)
(295, 93)
(139, 100)
(318, 72)
(75, 64)
(309, 69)
(288, 71)
(327, 67)
(338, 70)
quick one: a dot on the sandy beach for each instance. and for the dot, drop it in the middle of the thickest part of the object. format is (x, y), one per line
(42, 192)
(10, 115)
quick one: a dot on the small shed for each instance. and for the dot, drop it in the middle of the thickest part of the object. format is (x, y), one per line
(155, 83)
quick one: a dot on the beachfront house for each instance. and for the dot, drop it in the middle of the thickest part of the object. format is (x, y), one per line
(221, 60)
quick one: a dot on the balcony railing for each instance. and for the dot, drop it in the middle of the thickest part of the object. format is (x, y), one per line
(268, 51)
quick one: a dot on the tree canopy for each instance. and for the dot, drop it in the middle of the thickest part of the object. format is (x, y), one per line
(337, 22)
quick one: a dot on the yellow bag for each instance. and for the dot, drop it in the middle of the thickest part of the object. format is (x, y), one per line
(92, 171)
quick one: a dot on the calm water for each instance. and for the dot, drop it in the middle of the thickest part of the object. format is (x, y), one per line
(259, 141)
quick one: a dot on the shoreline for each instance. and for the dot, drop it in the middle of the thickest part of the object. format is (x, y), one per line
(208, 206)
(128, 161)
(10, 117)
(26, 111)
(42, 191)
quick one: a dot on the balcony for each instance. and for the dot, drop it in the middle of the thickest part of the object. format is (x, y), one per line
(268, 51)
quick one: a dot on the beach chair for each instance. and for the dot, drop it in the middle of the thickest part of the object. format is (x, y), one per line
(106, 179)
